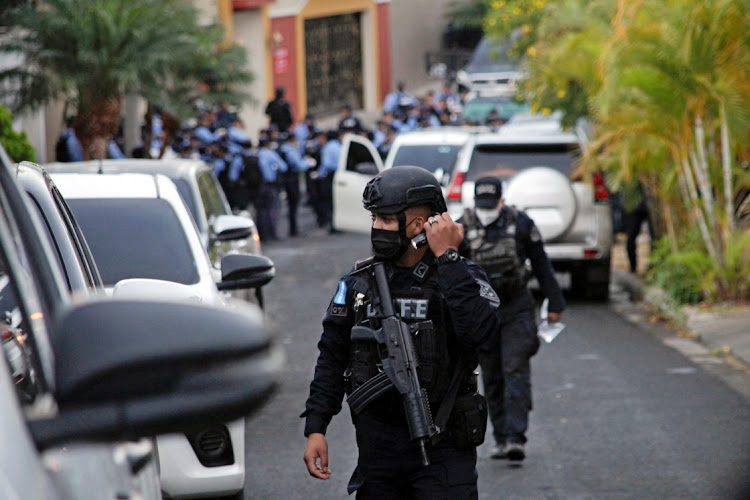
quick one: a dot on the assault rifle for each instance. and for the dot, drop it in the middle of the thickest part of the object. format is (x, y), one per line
(400, 367)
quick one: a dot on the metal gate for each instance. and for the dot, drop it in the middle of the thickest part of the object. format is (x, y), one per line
(333, 67)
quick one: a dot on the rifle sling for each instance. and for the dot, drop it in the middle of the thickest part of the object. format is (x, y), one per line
(446, 405)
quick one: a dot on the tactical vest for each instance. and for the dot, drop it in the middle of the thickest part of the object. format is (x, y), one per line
(498, 258)
(414, 303)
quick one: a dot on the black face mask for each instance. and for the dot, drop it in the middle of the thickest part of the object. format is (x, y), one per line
(388, 245)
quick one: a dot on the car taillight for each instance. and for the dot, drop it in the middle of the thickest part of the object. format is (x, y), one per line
(454, 191)
(590, 253)
(601, 192)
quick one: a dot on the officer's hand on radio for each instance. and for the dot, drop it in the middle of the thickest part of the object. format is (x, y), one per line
(443, 233)
(317, 449)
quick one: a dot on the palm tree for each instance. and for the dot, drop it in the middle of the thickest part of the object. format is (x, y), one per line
(92, 53)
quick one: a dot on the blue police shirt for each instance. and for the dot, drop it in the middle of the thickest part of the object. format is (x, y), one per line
(203, 134)
(270, 163)
(329, 157)
(236, 165)
(302, 133)
(75, 150)
(294, 159)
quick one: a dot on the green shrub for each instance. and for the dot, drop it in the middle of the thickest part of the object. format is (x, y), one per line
(735, 274)
(16, 144)
(690, 275)
(681, 274)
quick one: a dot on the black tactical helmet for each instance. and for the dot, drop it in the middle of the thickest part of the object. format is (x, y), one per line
(396, 188)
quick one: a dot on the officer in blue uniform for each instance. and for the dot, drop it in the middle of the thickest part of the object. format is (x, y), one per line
(451, 311)
(296, 163)
(267, 203)
(500, 239)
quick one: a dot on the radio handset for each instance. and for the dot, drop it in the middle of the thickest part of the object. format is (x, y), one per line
(420, 240)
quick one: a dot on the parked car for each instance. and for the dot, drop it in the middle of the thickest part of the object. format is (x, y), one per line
(99, 364)
(204, 197)
(490, 68)
(536, 160)
(433, 149)
(81, 277)
(138, 227)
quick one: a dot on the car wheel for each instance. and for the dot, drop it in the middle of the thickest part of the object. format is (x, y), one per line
(591, 282)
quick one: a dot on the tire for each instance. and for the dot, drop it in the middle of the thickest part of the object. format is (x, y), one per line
(591, 281)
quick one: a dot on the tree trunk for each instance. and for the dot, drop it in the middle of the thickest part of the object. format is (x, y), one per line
(96, 125)
(726, 165)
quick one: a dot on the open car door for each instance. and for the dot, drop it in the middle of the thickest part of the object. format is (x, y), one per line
(359, 162)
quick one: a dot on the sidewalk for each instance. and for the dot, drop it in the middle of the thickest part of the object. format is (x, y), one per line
(721, 329)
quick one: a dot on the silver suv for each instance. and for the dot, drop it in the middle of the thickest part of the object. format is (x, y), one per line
(536, 160)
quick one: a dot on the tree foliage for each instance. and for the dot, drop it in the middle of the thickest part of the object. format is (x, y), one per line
(666, 84)
(16, 144)
(91, 54)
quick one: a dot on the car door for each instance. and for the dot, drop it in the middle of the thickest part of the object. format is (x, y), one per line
(359, 162)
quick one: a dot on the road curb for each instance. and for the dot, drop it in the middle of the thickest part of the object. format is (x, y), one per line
(723, 329)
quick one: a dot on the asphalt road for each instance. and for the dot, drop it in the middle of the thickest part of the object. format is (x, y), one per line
(617, 413)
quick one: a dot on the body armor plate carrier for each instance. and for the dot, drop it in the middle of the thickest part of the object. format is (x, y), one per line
(498, 258)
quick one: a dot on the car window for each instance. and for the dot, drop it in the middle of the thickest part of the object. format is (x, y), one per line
(183, 187)
(136, 238)
(213, 205)
(51, 239)
(72, 254)
(429, 156)
(358, 154)
(80, 243)
(504, 161)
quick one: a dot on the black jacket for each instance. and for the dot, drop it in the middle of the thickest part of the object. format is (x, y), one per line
(470, 304)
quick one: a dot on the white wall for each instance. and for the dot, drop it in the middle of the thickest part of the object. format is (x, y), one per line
(416, 27)
(248, 32)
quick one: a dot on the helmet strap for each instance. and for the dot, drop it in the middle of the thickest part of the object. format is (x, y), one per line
(401, 217)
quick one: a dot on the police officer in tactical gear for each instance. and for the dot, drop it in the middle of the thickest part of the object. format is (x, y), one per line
(450, 310)
(500, 239)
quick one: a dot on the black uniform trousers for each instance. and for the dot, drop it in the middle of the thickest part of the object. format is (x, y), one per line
(291, 187)
(390, 466)
(506, 375)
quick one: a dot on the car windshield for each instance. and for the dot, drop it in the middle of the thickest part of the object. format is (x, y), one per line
(490, 53)
(429, 156)
(136, 238)
(476, 110)
(504, 161)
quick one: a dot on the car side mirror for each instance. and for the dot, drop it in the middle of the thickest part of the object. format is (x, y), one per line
(231, 227)
(240, 271)
(367, 168)
(126, 369)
